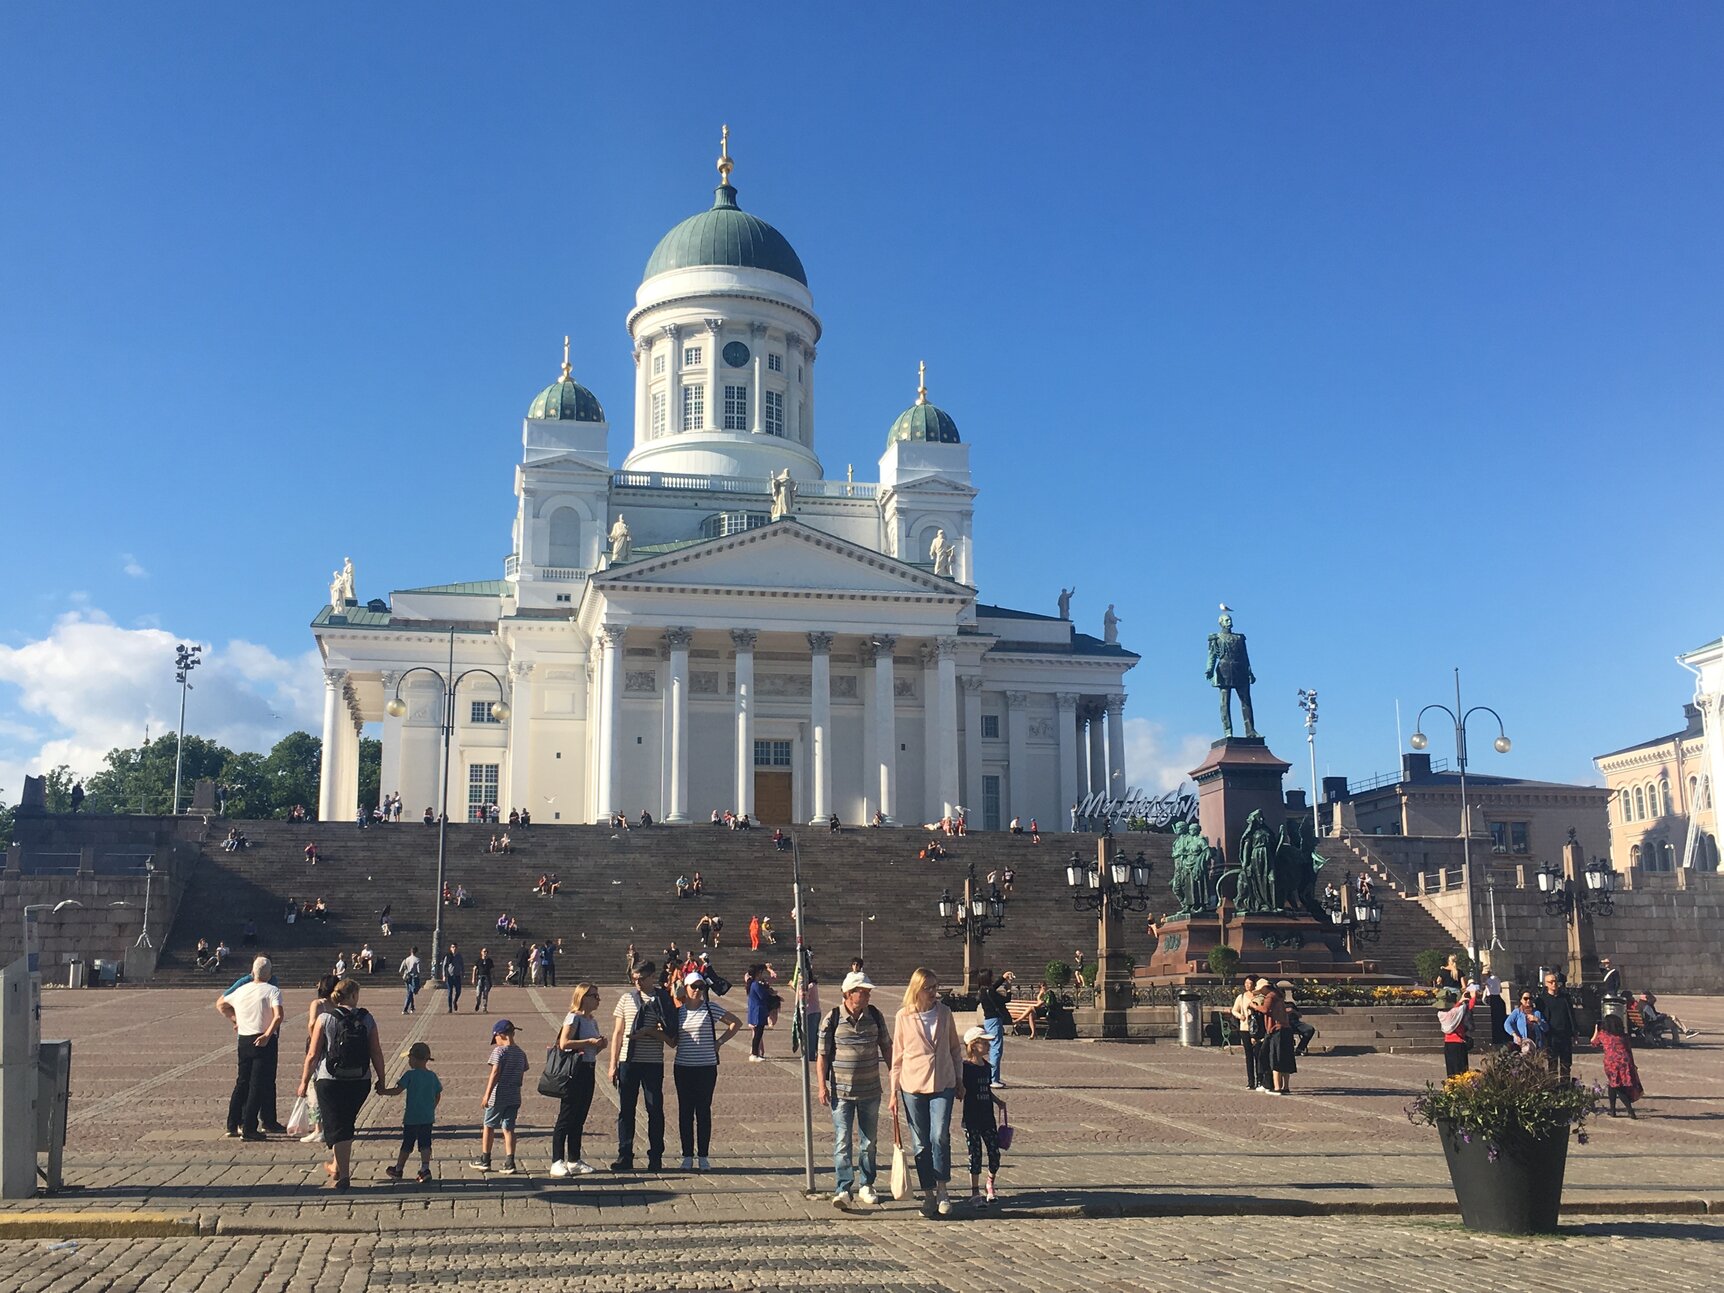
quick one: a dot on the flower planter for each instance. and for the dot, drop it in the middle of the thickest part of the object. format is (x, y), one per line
(1519, 1193)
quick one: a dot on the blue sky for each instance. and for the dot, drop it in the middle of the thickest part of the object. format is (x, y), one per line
(1397, 327)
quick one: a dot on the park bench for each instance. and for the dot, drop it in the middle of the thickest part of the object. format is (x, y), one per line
(1023, 1013)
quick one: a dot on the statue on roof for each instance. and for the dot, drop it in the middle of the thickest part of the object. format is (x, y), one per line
(1109, 625)
(347, 586)
(1066, 602)
(1229, 670)
(940, 553)
(622, 542)
(337, 589)
(783, 495)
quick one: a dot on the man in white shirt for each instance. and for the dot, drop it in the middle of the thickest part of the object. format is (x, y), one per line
(254, 1009)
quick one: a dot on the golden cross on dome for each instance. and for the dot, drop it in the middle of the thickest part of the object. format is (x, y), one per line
(566, 369)
(922, 382)
(725, 165)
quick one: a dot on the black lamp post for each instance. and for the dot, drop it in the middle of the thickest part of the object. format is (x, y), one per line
(1363, 921)
(1591, 897)
(397, 708)
(971, 918)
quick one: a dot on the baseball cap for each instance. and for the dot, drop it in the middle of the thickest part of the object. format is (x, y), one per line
(1263, 983)
(856, 979)
(502, 1026)
(693, 977)
(417, 1051)
(973, 1032)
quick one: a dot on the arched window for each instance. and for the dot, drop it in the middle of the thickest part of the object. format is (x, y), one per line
(1639, 803)
(1627, 804)
(1708, 852)
(1664, 799)
(564, 548)
(1634, 856)
(1706, 792)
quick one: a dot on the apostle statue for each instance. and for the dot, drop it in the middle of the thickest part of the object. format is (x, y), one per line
(622, 542)
(1230, 670)
(337, 592)
(783, 494)
(1109, 625)
(1066, 602)
(940, 553)
(347, 585)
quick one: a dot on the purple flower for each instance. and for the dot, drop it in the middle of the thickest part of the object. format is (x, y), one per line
(1467, 1137)
(1493, 1155)
(1582, 1137)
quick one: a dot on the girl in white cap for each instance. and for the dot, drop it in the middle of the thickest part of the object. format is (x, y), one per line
(981, 1129)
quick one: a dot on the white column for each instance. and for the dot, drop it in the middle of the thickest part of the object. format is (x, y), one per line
(610, 681)
(676, 728)
(714, 382)
(945, 749)
(1081, 755)
(756, 411)
(643, 387)
(389, 776)
(1097, 755)
(1065, 705)
(1115, 746)
(793, 361)
(673, 384)
(519, 791)
(870, 760)
(930, 806)
(1017, 755)
(347, 789)
(820, 724)
(743, 640)
(334, 715)
(972, 684)
(886, 723)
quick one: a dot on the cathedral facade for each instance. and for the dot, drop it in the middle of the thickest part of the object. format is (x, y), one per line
(716, 624)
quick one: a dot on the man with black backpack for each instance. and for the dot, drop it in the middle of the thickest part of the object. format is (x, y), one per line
(854, 1043)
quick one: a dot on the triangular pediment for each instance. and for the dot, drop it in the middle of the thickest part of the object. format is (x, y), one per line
(934, 483)
(783, 555)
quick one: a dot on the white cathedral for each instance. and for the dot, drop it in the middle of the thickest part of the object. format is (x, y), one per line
(717, 625)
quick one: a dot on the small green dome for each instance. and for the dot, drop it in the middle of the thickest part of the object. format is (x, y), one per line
(922, 420)
(726, 235)
(566, 400)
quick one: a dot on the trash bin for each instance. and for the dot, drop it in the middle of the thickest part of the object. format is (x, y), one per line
(1187, 1011)
(107, 973)
(75, 972)
(1612, 1004)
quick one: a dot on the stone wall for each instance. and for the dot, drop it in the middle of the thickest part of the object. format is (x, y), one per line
(96, 862)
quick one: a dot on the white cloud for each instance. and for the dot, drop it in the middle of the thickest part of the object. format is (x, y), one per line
(1156, 760)
(91, 685)
(132, 566)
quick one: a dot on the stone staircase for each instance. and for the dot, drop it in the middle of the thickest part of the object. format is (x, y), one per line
(861, 888)
(1408, 926)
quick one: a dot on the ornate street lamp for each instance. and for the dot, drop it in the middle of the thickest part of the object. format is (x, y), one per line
(397, 708)
(1122, 887)
(971, 918)
(1592, 896)
(1502, 745)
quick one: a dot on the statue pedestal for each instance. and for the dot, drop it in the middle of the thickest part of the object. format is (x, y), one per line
(1273, 946)
(1239, 776)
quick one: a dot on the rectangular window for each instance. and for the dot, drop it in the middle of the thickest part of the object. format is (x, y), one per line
(775, 363)
(1517, 840)
(480, 712)
(658, 364)
(658, 413)
(1499, 837)
(772, 754)
(736, 408)
(1508, 837)
(990, 727)
(990, 803)
(691, 356)
(774, 412)
(481, 788)
(693, 407)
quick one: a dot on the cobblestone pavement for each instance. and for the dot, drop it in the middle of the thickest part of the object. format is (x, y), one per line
(1132, 1165)
(1142, 1255)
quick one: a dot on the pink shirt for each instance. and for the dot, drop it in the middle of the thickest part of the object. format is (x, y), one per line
(925, 1058)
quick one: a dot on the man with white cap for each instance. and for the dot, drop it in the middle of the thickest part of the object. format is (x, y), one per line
(854, 1043)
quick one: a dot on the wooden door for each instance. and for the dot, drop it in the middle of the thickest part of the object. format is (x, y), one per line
(772, 797)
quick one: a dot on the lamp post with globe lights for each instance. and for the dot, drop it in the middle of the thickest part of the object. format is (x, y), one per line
(397, 708)
(186, 658)
(1419, 741)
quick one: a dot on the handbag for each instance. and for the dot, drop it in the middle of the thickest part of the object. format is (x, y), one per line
(1005, 1129)
(900, 1179)
(559, 1072)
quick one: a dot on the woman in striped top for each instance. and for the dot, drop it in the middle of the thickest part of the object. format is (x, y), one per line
(696, 1067)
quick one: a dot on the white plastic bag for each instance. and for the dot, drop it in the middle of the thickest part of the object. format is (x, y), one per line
(299, 1121)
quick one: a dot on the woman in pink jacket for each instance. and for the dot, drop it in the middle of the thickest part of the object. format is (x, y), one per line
(927, 1059)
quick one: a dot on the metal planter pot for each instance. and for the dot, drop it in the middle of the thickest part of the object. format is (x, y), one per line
(1518, 1194)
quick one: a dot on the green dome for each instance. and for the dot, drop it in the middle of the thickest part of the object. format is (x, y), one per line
(726, 235)
(566, 400)
(924, 421)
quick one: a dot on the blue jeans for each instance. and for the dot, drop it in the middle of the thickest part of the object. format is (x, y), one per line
(861, 1117)
(452, 987)
(996, 1044)
(412, 987)
(930, 1118)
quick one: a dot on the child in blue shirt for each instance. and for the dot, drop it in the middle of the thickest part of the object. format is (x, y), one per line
(423, 1090)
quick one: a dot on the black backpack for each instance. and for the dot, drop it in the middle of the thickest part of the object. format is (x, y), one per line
(348, 1056)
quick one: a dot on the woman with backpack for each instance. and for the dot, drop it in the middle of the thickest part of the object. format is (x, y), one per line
(344, 1053)
(762, 1001)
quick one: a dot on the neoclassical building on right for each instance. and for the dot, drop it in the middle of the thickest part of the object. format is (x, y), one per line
(1663, 814)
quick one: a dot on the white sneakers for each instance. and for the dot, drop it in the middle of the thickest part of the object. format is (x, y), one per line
(841, 1200)
(942, 1204)
(866, 1195)
(571, 1167)
(559, 1168)
(756, 1059)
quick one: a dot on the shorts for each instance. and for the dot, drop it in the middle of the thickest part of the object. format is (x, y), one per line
(416, 1135)
(501, 1117)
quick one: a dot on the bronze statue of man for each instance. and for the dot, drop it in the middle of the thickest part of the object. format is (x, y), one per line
(1230, 671)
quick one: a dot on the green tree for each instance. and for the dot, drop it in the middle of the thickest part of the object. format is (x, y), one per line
(141, 779)
(370, 772)
(291, 772)
(59, 789)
